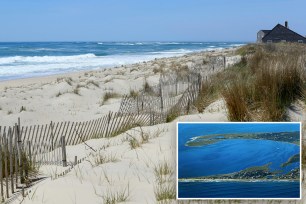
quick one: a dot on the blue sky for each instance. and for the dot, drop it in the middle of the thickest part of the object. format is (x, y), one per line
(144, 20)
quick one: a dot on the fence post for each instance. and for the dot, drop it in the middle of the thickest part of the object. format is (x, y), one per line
(20, 155)
(188, 106)
(11, 159)
(224, 61)
(200, 81)
(6, 164)
(188, 84)
(52, 136)
(161, 97)
(75, 160)
(1, 173)
(137, 104)
(30, 153)
(64, 151)
(176, 85)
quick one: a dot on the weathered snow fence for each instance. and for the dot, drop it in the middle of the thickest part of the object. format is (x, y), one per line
(23, 147)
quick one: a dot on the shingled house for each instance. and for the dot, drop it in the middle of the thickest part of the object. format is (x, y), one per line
(279, 33)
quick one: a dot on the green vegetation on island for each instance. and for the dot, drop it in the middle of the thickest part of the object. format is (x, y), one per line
(293, 159)
(290, 137)
(255, 172)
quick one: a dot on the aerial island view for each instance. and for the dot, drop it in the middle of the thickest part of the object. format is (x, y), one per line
(91, 93)
(239, 160)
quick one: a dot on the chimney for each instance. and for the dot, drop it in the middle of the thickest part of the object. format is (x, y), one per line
(286, 24)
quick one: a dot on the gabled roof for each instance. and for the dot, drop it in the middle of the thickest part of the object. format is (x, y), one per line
(282, 32)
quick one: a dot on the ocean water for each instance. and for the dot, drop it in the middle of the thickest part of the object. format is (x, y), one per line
(30, 59)
(230, 156)
(239, 190)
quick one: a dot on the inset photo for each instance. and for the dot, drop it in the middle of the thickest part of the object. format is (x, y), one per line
(238, 160)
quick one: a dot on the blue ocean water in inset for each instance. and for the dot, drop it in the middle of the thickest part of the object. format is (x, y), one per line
(233, 155)
(239, 190)
(29, 59)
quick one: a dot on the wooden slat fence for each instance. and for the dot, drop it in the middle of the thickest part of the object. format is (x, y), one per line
(46, 144)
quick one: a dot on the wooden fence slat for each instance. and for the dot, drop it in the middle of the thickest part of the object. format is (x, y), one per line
(47, 144)
(41, 142)
(59, 133)
(119, 125)
(10, 137)
(1, 173)
(76, 133)
(94, 131)
(81, 133)
(104, 125)
(29, 134)
(90, 130)
(109, 118)
(6, 164)
(69, 136)
(97, 128)
(100, 127)
(114, 121)
(34, 141)
(67, 130)
(85, 133)
(54, 134)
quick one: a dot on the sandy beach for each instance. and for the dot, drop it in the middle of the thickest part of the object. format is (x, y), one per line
(78, 96)
(133, 172)
(112, 168)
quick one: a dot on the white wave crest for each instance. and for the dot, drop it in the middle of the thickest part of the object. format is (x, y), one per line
(24, 67)
(43, 59)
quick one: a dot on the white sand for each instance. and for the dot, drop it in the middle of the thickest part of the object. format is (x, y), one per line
(133, 169)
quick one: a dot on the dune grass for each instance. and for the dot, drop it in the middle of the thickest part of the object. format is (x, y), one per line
(133, 93)
(206, 96)
(164, 193)
(94, 83)
(101, 158)
(263, 84)
(29, 166)
(163, 172)
(164, 190)
(107, 96)
(136, 142)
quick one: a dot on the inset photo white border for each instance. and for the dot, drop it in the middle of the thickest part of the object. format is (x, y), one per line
(199, 198)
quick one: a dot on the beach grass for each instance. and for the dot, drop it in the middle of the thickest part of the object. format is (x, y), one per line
(133, 93)
(101, 158)
(108, 95)
(165, 192)
(264, 83)
(116, 197)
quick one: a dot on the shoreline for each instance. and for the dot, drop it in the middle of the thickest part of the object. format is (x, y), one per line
(73, 73)
(79, 96)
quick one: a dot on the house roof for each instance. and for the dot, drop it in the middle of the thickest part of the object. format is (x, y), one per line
(281, 32)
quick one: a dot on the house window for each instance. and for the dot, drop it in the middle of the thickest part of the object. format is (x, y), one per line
(300, 41)
(283, 41)
(269, 41)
